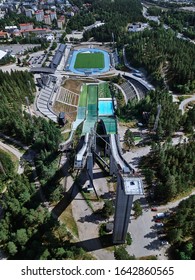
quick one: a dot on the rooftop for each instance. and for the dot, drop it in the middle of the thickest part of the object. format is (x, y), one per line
(133, 186)
(25, 24)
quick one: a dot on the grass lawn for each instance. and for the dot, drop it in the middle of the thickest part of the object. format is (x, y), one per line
(92, 94)
(83, 97)
(14, 159)
(67, 218)
(89, 60)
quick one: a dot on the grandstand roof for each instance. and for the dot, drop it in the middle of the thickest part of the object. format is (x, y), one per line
(42, 70)
(62, 48)
(56, 60)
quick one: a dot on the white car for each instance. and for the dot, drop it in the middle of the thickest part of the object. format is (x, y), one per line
(164, 242)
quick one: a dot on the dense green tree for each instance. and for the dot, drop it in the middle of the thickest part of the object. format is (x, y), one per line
(175, 235)
(173, 171)
(128, 139)
(162, 54)
(12, 248)
(21, 236)
(121, 254)
(137, 209)
(108, 209)
(170, 118)
(116, 15)
(180, 230)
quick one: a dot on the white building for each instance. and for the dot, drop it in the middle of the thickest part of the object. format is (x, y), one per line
(60, 22)
(29, 12)
(136, 27)
(26, 26)
(39, 15)
(53, 16)
(47, 19)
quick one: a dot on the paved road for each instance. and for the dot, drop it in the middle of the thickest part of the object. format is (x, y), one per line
(185, 102)
(14, 151)
(13, 67)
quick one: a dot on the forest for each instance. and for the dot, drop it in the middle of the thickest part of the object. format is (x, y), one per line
(116, 15)
(169, 170)
(189, 121)
(79, 21)
(27, 229)
(181, 230)
(15, 120)
(166, 58)
(145, 111)
(181, 21)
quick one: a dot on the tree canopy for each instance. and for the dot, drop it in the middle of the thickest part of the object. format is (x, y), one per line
(181, 230)
(166, 58)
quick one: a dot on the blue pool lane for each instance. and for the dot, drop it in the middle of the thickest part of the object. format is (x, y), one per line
(105, 108)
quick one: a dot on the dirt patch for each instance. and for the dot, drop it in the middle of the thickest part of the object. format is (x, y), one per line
(69, 110)
(73, 85)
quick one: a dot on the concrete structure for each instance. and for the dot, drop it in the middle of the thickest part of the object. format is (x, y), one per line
(26, 26)
(127, 187)
(136, 27)
(37, 31)
(29, 12)
(127, 184)
(47, 19)
(45, 97)
(60, 22)
(39, 15)
(58, 56)
(53, 16)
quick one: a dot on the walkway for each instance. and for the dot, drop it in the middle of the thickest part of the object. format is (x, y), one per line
(185, 102)
(15, 152)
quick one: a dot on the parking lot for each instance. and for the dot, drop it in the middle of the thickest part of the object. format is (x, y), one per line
(147, 235)
(17, 48)
(36, 60)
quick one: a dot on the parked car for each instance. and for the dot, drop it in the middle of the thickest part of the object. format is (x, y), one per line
(159, 224)
(154, 209)
(157, 221)
(164, 242)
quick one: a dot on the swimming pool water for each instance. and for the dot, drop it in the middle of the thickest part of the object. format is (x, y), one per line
(105, 108)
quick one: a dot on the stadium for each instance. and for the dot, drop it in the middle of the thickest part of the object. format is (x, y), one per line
(88, 61)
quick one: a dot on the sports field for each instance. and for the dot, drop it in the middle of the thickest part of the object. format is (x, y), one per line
(89, 60)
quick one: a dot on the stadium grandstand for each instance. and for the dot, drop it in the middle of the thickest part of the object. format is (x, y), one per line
(141, 89)
(129, 90)
(58, 56)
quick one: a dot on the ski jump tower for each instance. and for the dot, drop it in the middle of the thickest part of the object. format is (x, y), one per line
(127, 186)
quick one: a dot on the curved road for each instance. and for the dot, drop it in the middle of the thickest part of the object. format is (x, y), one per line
(185, 102)
(15, 152)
